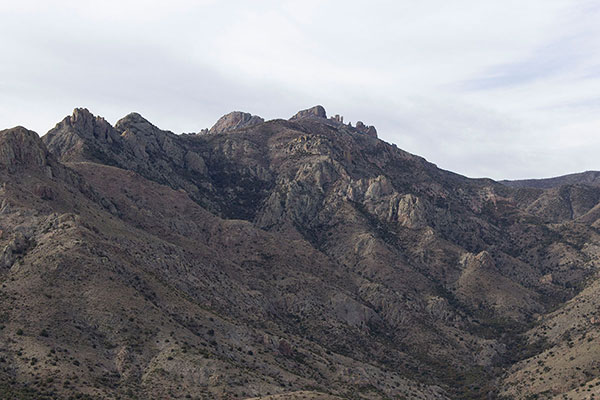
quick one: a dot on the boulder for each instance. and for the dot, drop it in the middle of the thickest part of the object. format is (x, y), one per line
(235, 120)
(313, 112)
(367, 130)
(20, 147)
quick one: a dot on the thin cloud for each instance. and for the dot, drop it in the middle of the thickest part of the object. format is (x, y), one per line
(551, 59)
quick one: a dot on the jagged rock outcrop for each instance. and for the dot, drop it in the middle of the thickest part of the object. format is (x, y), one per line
(134, 143)
(195, 163)
(15, 247)
(367, 130)
(235, 120)
(313, 112)
(20, 147)
(147, 141)
(83, 136)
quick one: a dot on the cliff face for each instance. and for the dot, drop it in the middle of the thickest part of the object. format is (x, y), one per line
(265, 258)
(235, 120)
(21, 148)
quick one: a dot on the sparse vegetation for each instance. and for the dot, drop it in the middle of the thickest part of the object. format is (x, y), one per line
(356, 269)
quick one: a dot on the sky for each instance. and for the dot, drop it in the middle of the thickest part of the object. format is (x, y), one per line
(500, 89)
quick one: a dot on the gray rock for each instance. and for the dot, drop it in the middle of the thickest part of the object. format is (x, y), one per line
(195, 163)
(16, 246)
(81, 130)
(235, 120)
(313, 112)
(21, 147)
(367, 130)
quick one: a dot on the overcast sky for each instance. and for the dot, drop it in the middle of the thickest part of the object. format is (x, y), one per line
(503, 89)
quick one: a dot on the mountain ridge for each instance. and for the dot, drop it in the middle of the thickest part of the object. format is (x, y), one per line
(587, 178)
(305, 250)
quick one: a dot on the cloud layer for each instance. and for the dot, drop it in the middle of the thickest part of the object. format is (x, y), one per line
(500, 89)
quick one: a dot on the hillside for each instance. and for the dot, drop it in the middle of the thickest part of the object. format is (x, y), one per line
(591, 178)
(300, 258)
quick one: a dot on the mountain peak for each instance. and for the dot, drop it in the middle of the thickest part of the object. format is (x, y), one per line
(235, 120)
(134, 120)
(133, 117)
(314, 112)
(81, 113)
(21, 147)
(318, 113)
(77, 129)
(85, 123)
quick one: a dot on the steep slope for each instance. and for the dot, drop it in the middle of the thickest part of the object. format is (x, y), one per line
(567, 367)
(83, 136)
(153, 296)
(281, 257)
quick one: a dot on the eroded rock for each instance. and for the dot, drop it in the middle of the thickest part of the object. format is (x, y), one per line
(313, 112)
(235, 120)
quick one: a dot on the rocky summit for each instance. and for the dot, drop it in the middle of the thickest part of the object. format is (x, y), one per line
(286, 259)
(235, 120)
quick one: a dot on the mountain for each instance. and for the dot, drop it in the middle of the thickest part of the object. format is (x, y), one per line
(235, 120)
(283, 259)
(591, 178)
